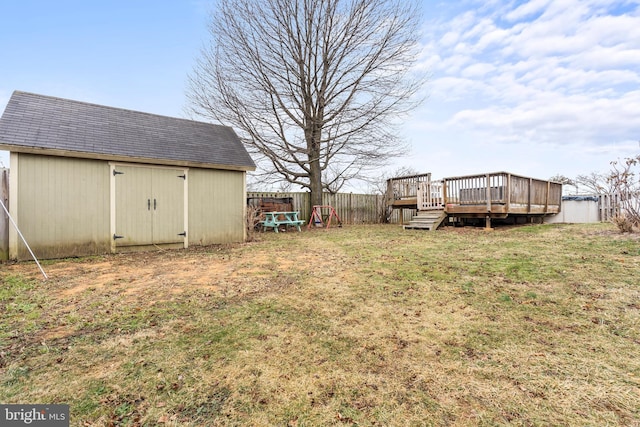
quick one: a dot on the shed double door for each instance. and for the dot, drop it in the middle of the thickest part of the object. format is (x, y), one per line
(149, 205)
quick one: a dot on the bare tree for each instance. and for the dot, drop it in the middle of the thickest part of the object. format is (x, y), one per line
(624, 180)
(379, 186)
(562, 179)
(565, 181)
(598, 183)
(314, 87)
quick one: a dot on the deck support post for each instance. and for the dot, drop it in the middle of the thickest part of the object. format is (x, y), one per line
(487, 223)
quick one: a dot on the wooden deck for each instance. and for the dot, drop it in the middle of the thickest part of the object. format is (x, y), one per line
(491, 195)
(402, 192)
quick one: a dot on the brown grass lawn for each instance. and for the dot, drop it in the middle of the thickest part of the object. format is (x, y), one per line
(364, 325)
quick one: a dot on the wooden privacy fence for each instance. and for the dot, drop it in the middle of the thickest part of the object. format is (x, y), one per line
(608, 206)
(352, 208)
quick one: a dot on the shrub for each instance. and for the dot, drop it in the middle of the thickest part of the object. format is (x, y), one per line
(252, 220)
(624, 224)
(624, 180)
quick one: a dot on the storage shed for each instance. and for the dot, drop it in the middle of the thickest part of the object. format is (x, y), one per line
(89, 179)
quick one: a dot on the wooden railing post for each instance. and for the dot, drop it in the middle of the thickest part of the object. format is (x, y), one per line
(444, 193)
(429, 191)
(508, 191)
(546, 202)
(488, 192)
(530, 184)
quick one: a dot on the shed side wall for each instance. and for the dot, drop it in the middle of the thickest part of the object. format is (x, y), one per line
(63, 206)
(216, 206)
(4, 219)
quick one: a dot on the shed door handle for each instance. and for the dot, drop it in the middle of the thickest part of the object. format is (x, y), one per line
(154, 204)
(148, 204)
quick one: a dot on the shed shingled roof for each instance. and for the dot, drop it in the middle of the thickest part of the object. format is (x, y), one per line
(33, 123)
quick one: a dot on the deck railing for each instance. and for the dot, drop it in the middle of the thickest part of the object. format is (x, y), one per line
(501, 192)
(495, 194)
(475, 189)
(430, 195)
(405, 187)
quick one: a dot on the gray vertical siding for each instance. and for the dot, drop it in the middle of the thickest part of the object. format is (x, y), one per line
(216, 206)
(63, 206)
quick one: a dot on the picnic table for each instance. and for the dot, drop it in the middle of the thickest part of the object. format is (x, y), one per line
(276, 219)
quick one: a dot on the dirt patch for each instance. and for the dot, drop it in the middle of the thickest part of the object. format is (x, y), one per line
(158, 275)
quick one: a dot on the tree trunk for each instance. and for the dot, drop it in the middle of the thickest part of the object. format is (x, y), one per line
(315, 170)
(315, 183)
(312, 133)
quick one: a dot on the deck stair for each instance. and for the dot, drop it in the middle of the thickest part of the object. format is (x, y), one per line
(427, 220)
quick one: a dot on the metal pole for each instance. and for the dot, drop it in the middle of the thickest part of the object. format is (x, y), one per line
(23, 239)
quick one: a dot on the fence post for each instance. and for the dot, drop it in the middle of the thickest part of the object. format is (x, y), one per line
(351, 208)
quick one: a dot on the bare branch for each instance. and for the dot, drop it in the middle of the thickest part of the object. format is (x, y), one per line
(624, 180)
(316, 87)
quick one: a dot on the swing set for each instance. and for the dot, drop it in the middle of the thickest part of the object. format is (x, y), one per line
(317, 217)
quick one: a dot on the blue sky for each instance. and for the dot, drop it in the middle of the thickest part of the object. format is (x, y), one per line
(534, 88)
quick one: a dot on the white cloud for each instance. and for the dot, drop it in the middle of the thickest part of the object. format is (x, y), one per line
(451, 89)
(526, 10)
(455, 63)
(495, 36)
(550, 72)
(477, 70)
(450, 39)
(556, 120)
(600, 57)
